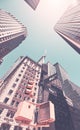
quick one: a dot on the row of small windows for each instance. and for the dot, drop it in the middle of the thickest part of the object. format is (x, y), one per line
(10, 114)
(9, 37)
(5, 126)
(31, 66)
(12, 103)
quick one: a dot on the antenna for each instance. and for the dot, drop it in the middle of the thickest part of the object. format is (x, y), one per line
(45, 52)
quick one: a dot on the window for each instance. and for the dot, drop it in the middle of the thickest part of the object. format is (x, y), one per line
(17, 104)
(20, 96)
(12, 103)
(35, 88)
(14, 85)
(34, 94)
(1, 110)
(16, 94)
(36, 83)
(29, 106)
(28, 98)
(17, 128)
(33, 100)
(21, 71)
(10, 92)
(10, 114)
(17, 79)
(6, 100)
(5, 126)
(19, 75)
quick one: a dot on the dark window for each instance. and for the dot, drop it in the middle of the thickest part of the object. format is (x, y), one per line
(19, 75)
(17, 128)
(10, 92)
(28, 98)
(35, 88)
(34, 94)
(17, 80)
(12, 103)
(5, 126)
(21, 71)
(29, 106)
(10, 114)
(33, 100)
(14, 85)
(36, 83)
(17, 104)
(16, 94)
(1, 110)
(6, 100)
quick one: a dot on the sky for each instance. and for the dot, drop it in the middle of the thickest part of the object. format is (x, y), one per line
(41, 36)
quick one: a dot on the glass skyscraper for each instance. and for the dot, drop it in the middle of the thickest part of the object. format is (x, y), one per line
(12, 33)
(68, 27)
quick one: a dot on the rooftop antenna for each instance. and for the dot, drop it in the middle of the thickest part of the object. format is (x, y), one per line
(42, 59)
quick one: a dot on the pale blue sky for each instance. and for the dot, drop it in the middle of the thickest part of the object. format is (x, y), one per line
(41, 35)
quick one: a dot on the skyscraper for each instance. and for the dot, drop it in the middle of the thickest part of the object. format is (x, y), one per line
(12, 33)
(39, 82)
(68, 27)
(33, 3)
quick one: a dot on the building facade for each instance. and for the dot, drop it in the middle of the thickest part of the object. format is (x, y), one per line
(68, 27)
(15, 89)
(33, 3)
(65, 95)
(12, 33)
(39, 82)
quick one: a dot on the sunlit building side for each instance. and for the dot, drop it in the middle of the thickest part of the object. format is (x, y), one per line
(12, 33)
(68, 27)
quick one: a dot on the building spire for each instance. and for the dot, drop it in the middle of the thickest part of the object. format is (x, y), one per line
(42, 59)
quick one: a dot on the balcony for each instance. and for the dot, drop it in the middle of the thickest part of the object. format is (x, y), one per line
(31, 82)
(28, 91)
(29, 86)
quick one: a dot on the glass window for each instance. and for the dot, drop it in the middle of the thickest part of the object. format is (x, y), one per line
(33, 100)
(10, 92)
(1, 110)
(12, 103)
(14, 85)
(17, 79)
(17, 104)
(5, 126)
(19, 75)
(17, 128)
(6, 100)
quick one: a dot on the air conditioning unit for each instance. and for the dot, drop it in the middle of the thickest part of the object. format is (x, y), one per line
(46, 113)
(24, 113)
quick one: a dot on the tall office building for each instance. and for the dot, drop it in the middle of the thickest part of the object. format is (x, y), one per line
(68, 27)
(19, 84)
(39, 82)
(33, 3)
(12, 33)
(57, 88)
